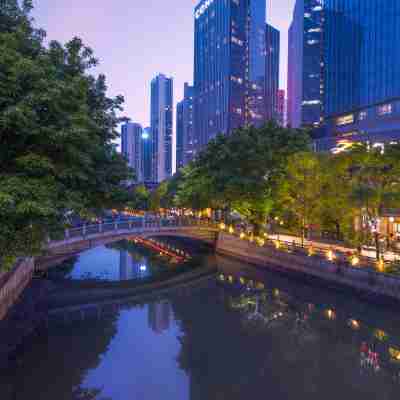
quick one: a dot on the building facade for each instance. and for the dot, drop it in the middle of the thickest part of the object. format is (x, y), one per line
(186, 143)
(272, 55)
(147, 155)
(131, 134)
(362, 73)
(305, 89)
(161, 120)
(281, 107)
(229, 66)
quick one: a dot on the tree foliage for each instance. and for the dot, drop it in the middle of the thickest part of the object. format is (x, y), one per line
(57, 128)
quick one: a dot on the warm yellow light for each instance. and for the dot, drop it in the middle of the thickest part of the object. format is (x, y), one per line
(330, 314)
(251, 239)
(330, 255)
(311, 251)
(230, 278)
(265, 234)
(276, 292)
(242, 281)
(261, 242)
(231, 230)
(277, 244)
(380, 265)
(242, 235)
(222, 226)
(355, 261)
(354, 324)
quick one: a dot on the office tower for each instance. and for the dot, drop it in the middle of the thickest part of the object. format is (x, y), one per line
(305, 65)
(362, 71)
(281, 108)
(159, 316)
(161, 115)
(146, 155)
(131, 147)
(229, 66)
(272, 53)
(185, 141)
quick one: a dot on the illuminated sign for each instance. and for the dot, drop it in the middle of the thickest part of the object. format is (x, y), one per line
(203, 8)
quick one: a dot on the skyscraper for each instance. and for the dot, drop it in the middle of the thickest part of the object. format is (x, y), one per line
(159, 316)
(185, 141)
(161, 119)
(272, 55)
(281, 108)
(131, 147)
(229, 66)
(147, 155)
(305, 65)
(362, 73)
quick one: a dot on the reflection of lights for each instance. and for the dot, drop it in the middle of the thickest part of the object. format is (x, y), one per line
(380, 265)
(277, 244)
(381, 335)
(242, 235)
(251, 239)
(222, 277)
(260, 286)
(222, 226)
(231, 230)
(311, 251)
(276, 292)
(354, 324)
(330, 314)
(143, 268)
(242, 281)
(395, 353)
(230, 278)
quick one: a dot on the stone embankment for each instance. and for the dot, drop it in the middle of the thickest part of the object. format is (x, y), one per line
(360, 280)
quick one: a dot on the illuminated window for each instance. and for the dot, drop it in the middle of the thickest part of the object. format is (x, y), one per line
(385, 109)
(345, 120)
(362, 115)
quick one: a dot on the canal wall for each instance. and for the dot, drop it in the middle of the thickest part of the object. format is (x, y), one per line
(13, 283)
(362, 281)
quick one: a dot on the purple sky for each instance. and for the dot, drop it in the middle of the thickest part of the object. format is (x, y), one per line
(136, 39)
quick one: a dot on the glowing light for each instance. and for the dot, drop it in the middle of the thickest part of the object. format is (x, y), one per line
(354, 324)
(231, 230)
(330, 314)
(242, 281)
(330, 255)
(380, 265)
(242, 236)
(311, 251)
(355, 261)
(251, 239)
(277, 244)
(145, 135)
(222, 226)
(143, 268)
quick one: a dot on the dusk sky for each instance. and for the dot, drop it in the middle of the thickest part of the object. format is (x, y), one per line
(136, 39)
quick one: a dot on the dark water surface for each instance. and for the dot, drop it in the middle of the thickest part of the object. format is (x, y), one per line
(244, 333)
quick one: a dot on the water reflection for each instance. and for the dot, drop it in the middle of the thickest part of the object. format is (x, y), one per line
(243, 334)
(133, 266)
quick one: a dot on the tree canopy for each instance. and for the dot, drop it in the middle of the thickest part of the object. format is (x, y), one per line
(57, 128)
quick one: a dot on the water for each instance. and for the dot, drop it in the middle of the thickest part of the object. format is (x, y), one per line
(243, 333)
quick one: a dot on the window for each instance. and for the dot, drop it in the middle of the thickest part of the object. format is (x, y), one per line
(385, 109)
(345, 120)
(362, 115)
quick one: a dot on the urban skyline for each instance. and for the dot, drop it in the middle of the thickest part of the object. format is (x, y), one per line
(130, 78)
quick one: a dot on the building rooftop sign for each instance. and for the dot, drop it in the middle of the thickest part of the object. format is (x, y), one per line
(203, 8)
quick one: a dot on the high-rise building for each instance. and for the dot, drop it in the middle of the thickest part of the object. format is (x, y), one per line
(161, 119)
(185, 141)
(159, 316)
(305, 65)
(281, 108)
(131, 147)
(272, 54)
(147, 155)
(229, 66)
(362, 73)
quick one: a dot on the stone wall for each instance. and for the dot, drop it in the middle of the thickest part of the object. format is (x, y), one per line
(268, 256)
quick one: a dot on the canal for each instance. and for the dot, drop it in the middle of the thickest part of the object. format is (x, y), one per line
(242, 333)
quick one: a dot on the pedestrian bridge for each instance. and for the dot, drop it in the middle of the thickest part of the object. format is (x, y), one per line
(86, 237)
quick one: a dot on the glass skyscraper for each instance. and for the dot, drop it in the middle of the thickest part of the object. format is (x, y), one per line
(229, 67)
(305, 65)
(362, 70)
(161, 120)
(131, 134)
(147, 155)
(272, 54)
(185, 141)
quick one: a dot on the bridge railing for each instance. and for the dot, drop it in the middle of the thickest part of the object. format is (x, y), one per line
(133, 225)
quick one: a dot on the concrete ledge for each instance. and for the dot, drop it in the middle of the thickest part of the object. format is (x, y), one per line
(359, 280)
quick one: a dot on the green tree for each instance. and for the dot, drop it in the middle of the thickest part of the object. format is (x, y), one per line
(57, 128)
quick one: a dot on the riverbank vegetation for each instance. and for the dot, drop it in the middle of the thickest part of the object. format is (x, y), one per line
(57, 133)
(271, 177)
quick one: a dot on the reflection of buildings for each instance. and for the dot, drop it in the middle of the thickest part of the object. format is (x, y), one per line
(159, 316)
(131, 268)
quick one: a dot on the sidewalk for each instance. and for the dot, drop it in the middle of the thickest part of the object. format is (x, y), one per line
(388, 256)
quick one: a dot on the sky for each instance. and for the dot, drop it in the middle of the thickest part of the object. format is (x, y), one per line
(136, 39)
